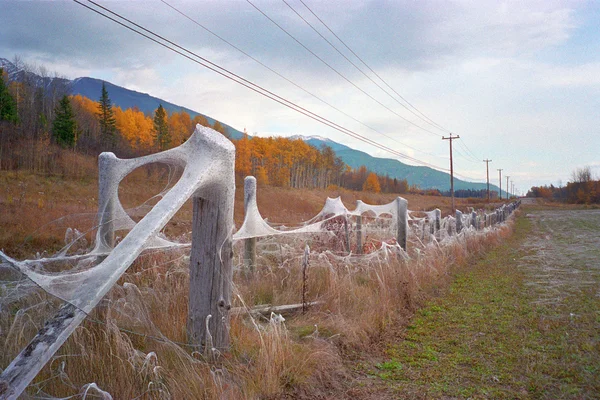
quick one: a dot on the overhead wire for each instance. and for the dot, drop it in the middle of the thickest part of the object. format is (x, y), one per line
(244, 82)
(337, 72)
(290, 81)
(356, 66)
(371, 69)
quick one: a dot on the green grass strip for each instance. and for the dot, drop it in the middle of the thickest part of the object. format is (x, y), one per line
(487, 337)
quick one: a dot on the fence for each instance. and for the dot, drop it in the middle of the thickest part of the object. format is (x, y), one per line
(208, 179)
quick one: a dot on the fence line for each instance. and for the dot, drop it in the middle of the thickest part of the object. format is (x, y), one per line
(208, 178)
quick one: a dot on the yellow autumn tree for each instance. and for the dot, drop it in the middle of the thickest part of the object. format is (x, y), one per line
(372, 184)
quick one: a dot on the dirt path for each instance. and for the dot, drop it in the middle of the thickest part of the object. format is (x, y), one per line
(565, 259)
(523, 322)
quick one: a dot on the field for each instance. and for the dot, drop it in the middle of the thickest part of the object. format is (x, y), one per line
(522, 322)
(134, 344)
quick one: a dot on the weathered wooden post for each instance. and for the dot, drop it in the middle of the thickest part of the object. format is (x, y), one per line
(359, 239)
(211, 267)
(211, 255)
(250, 243)
(106, 208)
(459, 224)
(209, 160)
(401, 222)
(474, 220)
(346, 234)
(438, 220)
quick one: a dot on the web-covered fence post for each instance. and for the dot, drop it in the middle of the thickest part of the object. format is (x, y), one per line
(250, 243)
(106, 206)
(401, 221)
(210, 275)
(359, 239)
(459, 221)
(438, 222)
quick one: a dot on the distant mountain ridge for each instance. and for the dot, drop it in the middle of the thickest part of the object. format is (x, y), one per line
(423, 177)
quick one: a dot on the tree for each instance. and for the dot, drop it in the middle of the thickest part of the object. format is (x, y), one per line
(217, 126)
(8, 105)
(64, 127)
(372, 184)
(582, 175)
(106, 117)
(162, 138)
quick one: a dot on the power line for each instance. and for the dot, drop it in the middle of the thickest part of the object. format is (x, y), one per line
(354, 65)
(250, 85)
(289, 80)
(371, 69)
(468, 150)
(337, 72)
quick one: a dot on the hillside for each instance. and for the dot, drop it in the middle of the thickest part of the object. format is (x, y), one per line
(423, 177)
(126, 98)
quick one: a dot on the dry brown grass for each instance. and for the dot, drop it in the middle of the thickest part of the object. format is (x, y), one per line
(133, 346)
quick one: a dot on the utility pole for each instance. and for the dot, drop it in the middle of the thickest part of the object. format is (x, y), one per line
(500, 180)
(487, 172)
(507, 188)
(450, 138)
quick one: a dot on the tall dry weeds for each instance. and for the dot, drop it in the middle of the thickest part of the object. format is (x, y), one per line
(134, 345)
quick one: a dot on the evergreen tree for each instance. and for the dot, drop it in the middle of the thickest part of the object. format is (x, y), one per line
(8, 105)
(64, 127)
(162, 139)
(106, 117)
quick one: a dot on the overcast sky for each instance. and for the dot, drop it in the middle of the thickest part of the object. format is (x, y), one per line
(518, 81)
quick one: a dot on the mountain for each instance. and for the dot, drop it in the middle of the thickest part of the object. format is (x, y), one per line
(423, 177)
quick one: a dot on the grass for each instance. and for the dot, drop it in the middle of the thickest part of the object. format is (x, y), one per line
(132, 345)
(488, 337)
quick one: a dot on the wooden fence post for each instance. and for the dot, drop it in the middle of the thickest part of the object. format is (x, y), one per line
(106, 207)
(346, 234)
(438, 222)
(210, 275)
(359, 239)
(401, 222)
(474, 220)
(459, 225)
(250, 243)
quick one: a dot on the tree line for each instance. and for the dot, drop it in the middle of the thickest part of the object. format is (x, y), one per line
(40, 121)
(581, 189)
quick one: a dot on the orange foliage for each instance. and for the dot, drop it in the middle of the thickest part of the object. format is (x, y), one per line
(135, 127)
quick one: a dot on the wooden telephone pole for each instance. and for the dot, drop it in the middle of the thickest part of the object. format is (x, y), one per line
(450, 138)
(500, 180)
(507, 188)
(487, 172)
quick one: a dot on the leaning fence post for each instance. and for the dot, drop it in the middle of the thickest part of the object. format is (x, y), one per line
(250, 243)
(359, 240)
(401, 221)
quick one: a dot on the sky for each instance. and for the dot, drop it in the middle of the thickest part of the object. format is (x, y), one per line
(518, 81)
